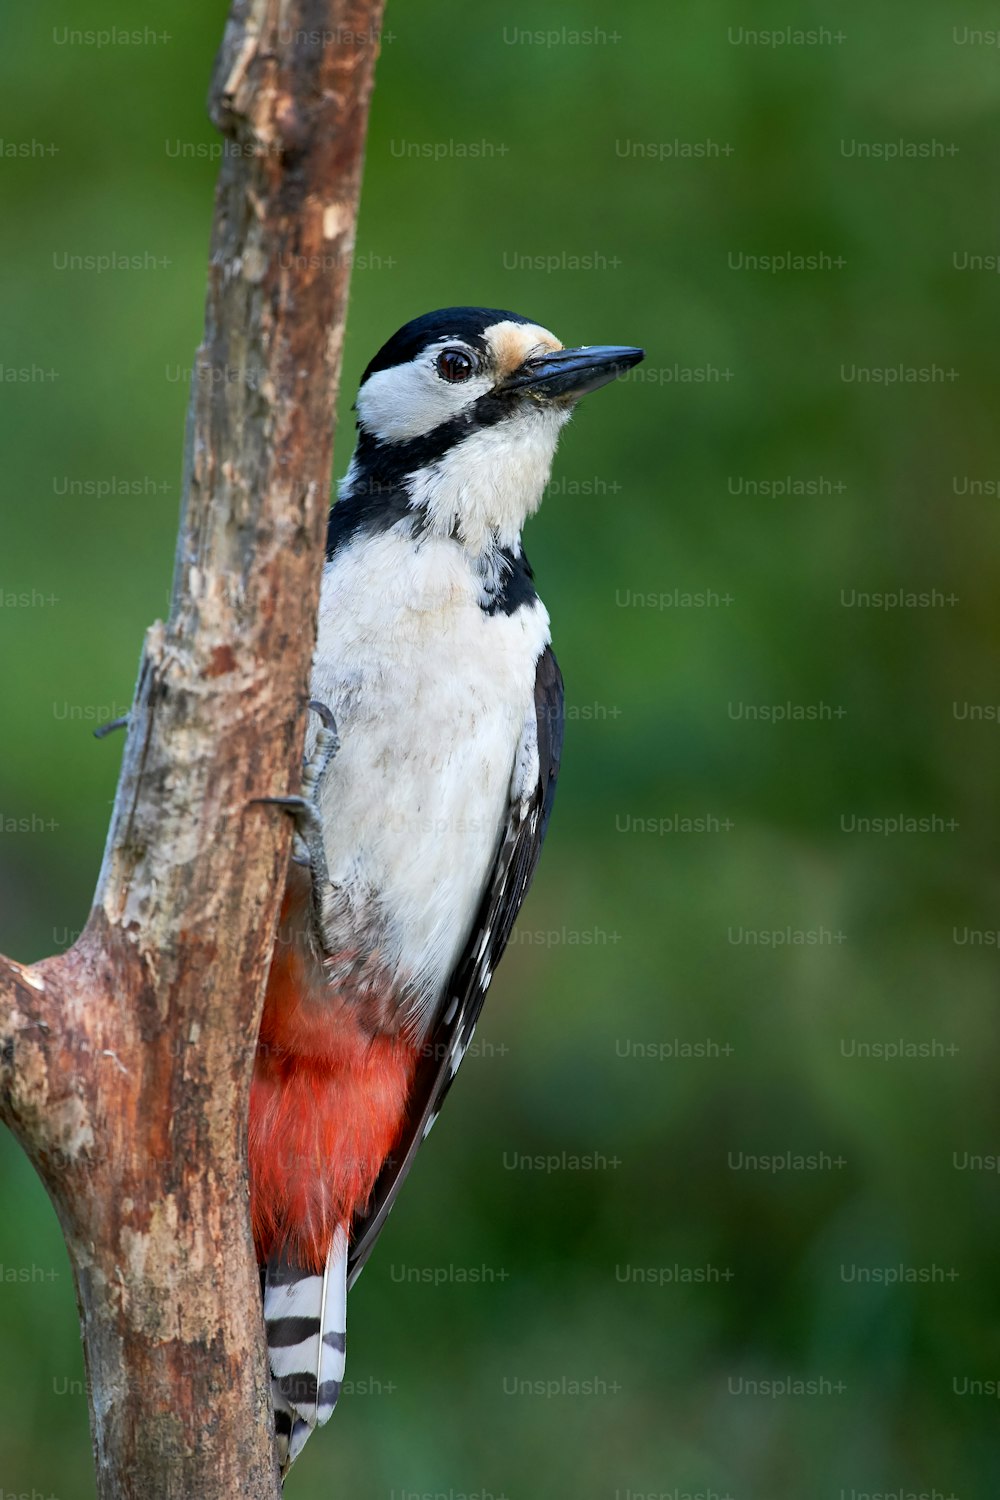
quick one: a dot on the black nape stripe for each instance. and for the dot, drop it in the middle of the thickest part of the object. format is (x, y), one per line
(390, 462)
(378, 497)
(371, 507)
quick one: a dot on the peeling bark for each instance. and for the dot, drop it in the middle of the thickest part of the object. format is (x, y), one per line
(125, 1063)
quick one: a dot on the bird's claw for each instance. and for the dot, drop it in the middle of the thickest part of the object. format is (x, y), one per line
(326, 746)
(304, 808)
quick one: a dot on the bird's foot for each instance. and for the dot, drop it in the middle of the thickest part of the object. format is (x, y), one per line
(326, 747)
(304, 809)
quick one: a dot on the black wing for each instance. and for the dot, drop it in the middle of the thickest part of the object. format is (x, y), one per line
(517, 856)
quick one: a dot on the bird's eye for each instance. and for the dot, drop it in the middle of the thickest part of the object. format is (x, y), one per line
(455, 364)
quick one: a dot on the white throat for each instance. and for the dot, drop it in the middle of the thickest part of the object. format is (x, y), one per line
(484, 488)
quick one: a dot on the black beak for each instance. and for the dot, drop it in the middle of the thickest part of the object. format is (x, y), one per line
(571, 372)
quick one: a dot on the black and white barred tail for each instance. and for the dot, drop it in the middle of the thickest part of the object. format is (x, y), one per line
(305, 1318)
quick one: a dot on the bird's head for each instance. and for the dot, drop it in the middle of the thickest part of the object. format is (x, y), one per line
(459, 415)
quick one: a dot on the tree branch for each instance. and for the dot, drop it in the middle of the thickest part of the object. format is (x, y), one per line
(125, 1063)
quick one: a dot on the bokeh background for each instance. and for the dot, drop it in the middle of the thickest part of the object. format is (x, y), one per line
(768, 1030)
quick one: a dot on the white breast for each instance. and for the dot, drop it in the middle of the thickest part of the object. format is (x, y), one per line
(431, 697)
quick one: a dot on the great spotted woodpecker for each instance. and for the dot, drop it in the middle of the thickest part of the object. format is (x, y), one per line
(431, 767)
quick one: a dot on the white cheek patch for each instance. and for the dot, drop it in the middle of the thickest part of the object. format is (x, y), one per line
(410, 400)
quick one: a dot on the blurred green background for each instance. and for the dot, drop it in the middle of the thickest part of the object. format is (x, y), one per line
(647, 1016)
